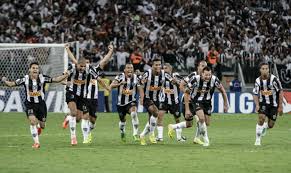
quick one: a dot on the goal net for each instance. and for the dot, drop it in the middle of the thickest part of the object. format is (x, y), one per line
(14, 64)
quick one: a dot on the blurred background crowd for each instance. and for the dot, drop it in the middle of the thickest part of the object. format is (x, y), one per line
(182, 32)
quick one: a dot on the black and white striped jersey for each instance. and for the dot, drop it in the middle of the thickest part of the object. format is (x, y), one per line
(154, 83)
(92, 84)
(201, 90)
(268, 90)
(34, 88)
(77, 81)
(187, 78)
(171, 91)
(127, 91)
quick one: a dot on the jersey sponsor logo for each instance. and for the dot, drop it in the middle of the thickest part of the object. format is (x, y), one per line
(169, 91)
(203, 90)
(155, 88)
(34, 94)
(127, 92)
(266, 92)
(79, 82)
(93, 81)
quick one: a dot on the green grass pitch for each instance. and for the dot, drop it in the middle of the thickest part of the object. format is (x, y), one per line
(231, 148)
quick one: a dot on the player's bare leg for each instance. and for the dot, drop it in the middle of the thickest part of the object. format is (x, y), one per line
(150, 126)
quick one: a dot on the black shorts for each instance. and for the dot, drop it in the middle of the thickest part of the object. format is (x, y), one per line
(81, 102)
(173, 109)
(39, 110)
(203, 105)
(92, 105)
(148, 102)
(123, 110)
(270, 111)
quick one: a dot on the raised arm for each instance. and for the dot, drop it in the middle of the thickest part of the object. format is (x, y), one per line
(71, 56)
(8, 83)
(107, 57)
(103, 84)
(224, 96)
(61, 78)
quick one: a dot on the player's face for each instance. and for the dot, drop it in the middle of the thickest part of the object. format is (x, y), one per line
(264, 70)
(201, 66)
(82, 67)
(206, 75)
(34, 69)
(156, 66)
(167, 69)
(128, 70)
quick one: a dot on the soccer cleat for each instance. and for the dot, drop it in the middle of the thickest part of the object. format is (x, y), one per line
(181, 140)
(264, 132)
(159, 139)
(142, 140)
(258, 142)
(170, 131)
(39, 131)
(198, 141)
(65, 123)
(206, 142)
(87, 141)
(136, 138)
(36, 145)
(74, 141)
(90, 138)
(152, 139)
(122, 136)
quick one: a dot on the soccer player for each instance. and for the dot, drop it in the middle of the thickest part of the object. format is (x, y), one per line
(153, 81)
(268, 97)
(90, 98)
(76, 95)
(183, 84)
(36, 110)
(128, 84)
(201, 89)
(170, 103)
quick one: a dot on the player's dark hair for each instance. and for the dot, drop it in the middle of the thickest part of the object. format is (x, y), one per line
(33, 63)
(263, 63)
(157, 59)
(207, 69)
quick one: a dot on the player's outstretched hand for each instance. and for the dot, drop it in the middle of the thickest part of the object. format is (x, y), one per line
(187, 114)
(110, 47)
(225, 108)
(257, 109)
(4, 79)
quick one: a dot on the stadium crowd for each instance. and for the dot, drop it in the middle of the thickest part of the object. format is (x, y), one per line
(182, 32)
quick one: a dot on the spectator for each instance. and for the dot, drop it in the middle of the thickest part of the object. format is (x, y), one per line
(235, 85)
(136, 59)
(106, 92)
(121, 57)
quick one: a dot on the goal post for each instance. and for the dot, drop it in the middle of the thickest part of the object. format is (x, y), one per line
(14, 64)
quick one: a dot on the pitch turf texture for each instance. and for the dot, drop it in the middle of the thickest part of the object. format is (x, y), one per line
(231, 148)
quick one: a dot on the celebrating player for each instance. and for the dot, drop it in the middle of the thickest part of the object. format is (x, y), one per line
(128, 83)
(268, 97)
(183, 84)
(36, 109)
(201, 89)
(170, 103)
(153, 81)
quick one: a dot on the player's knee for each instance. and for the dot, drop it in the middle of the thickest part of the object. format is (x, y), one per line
(271, 125)
(189, 124)
(207, 123)
(78, 119)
